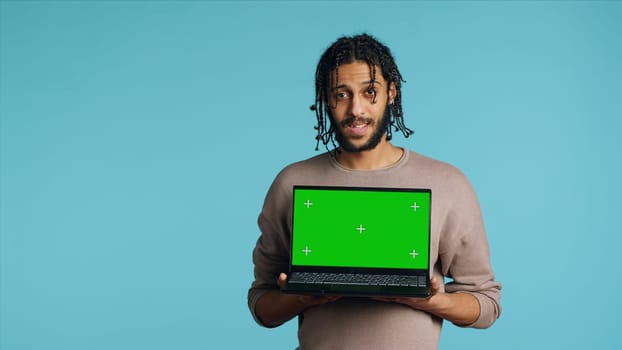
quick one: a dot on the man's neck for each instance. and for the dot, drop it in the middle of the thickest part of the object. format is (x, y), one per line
(382, 156)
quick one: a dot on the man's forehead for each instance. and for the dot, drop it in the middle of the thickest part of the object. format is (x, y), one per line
(357, 73)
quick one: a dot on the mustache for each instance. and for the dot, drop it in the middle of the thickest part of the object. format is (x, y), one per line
(353, 120)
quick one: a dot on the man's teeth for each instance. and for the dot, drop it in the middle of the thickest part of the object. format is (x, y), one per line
(358, 125)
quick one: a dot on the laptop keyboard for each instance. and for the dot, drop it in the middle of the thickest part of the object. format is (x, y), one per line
(358, 279)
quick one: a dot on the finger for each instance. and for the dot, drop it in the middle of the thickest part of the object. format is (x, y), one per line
(326, 299)
(385, 299)
(311, 300)
(435, 285)
(434, 281)
(282, 280)
(381, 299)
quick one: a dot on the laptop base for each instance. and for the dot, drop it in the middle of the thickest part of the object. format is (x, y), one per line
(358, 290)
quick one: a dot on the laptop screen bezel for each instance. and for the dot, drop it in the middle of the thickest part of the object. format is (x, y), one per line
(356, 269)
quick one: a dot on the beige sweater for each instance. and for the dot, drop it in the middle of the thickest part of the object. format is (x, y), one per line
(459, 250)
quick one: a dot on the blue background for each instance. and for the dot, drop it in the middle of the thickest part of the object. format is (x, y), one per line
(138, 140)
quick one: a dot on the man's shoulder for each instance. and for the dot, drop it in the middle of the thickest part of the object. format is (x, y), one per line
(428, 164)
(318, 161)
(308, 168)
(436, 173)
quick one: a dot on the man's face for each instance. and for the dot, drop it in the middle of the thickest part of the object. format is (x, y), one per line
(359, 107)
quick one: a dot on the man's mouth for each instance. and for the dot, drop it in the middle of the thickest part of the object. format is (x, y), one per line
(357, 125)
(356, 121)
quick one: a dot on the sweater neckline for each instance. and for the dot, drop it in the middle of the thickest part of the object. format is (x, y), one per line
(403, 159)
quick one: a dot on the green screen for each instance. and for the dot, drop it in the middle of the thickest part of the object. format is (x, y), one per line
(371, 228)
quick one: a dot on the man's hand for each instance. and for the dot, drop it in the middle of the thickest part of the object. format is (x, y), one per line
(459, 308)
(307, 300)
(417, 303)
(275, 307)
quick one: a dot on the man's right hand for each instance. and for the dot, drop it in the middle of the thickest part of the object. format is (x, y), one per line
(308, 300)
(276, 307)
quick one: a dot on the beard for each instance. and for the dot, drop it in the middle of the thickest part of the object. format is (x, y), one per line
(380, 130)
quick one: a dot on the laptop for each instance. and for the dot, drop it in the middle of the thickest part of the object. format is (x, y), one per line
(360, 241)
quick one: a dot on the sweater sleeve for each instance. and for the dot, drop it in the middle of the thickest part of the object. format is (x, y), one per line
(464, 253)
(271, 253)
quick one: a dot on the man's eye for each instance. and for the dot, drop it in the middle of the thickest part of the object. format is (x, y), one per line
(341, 95)
(371, 92)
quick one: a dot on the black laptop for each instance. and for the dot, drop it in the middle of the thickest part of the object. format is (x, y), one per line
(360, 241)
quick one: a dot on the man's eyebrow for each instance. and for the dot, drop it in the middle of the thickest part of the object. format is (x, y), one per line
(367, 82)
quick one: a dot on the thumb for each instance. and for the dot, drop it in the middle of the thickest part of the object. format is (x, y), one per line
(282, 280)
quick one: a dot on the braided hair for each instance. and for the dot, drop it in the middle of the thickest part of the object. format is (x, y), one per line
(346, 50)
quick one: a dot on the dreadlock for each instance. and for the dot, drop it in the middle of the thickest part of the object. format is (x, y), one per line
(346, 50)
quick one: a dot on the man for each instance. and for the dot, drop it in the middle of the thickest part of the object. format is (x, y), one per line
(358, 103)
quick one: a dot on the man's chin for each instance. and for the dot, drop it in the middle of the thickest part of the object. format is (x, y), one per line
(358, 147)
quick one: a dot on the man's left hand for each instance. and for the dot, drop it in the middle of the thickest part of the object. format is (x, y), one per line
(459, 308)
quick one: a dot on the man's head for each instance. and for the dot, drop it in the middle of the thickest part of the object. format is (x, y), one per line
(358, 94)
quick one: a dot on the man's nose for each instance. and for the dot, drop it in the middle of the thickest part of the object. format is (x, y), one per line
(357, 106)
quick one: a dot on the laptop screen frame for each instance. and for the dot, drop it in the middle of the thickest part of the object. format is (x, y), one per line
(356, 269)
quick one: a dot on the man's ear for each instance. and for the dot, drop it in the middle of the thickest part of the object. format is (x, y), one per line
(392, 92)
